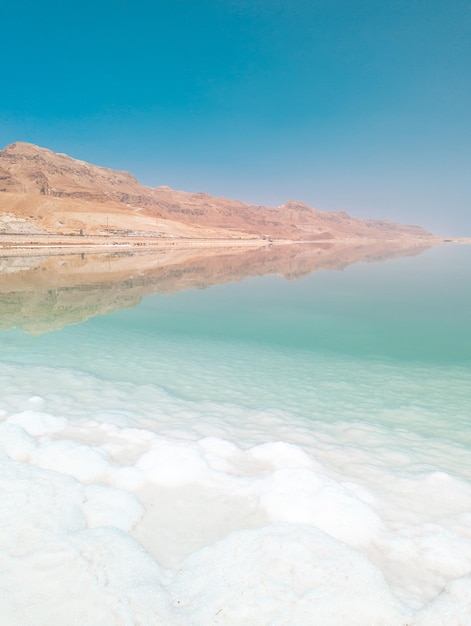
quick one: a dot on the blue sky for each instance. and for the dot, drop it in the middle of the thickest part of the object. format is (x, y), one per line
(361, 105)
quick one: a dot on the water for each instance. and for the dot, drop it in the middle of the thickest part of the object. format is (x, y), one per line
(317, 429)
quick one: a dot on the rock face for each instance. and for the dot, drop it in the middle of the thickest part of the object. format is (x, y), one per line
(50, 179)
(27, 168)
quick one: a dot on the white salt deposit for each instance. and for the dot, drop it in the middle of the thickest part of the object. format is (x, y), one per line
(193, 478)
(58, 570)
(283, 574)
(153, 522)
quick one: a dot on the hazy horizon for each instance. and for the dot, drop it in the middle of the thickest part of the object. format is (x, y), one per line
(361, 108)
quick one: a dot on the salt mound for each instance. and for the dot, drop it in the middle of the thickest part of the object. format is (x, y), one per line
(58, 571)
(302, 496)
(452, 607)
(281, 575)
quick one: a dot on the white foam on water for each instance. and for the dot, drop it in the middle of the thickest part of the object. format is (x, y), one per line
(160, 509)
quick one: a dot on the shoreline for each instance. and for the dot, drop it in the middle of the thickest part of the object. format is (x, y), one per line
(42, 243)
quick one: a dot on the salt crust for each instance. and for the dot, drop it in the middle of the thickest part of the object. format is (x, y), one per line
(270, 575)
(337, 533)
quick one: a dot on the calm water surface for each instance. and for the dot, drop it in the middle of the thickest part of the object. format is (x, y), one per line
(383, 335)
(344, 395)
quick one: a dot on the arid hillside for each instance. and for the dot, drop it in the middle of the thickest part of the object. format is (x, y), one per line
(45, 192)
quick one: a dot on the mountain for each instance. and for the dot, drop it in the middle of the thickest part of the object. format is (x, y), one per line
(46, 192)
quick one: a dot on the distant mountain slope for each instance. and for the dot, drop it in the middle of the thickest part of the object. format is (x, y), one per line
(29, 169)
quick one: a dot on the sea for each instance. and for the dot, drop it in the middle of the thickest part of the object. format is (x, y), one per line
(286, 449)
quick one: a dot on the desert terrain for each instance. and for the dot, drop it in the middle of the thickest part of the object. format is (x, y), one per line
(50, 199)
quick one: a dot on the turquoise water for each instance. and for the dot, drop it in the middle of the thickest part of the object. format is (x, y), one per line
(410, 309)
(325, 416)
(382, 336)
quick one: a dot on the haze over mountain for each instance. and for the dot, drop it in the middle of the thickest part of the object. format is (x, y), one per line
(46, 192)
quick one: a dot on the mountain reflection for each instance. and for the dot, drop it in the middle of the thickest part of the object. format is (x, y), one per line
(43, 293)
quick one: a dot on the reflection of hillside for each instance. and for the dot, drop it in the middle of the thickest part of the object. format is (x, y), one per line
(40, 294)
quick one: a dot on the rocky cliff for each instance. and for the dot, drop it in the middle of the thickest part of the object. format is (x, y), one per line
(67, 194)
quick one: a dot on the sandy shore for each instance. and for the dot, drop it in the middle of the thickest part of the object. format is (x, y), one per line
(32, 244)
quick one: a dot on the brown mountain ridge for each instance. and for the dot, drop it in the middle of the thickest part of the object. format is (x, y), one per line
(42, 192)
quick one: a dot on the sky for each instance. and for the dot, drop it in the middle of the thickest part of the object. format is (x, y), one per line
(360, 105)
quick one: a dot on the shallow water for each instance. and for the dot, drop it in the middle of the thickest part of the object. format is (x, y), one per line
(284, 451)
